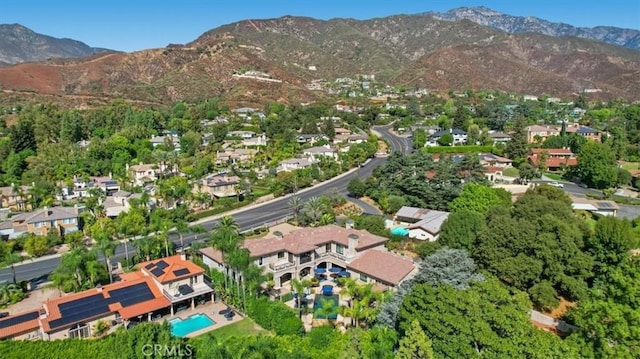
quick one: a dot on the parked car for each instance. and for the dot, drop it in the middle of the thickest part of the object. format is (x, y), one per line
(556, 184)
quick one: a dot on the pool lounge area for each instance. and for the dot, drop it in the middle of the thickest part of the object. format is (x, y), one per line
(183, 327)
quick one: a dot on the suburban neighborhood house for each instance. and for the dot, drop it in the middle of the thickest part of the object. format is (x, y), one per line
(15, 197)
(539, 133)
(459, 137)
(80, 187)
(160, 287)
(142, 174)
(553, 158)
(40, 222)
(297, 253)
(218, 185)
(295, 164)
(118, 202)
(604, 208)
(235, 156)
(320, 151)
(422, 224)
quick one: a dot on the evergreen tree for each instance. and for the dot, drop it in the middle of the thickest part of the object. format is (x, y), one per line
(415, 344)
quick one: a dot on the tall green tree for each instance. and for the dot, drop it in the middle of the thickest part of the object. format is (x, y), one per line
(517, 147)
(415, 344)
(597, 165)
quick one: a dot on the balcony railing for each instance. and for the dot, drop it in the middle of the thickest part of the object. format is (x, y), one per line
(281, 265)
(332, 254)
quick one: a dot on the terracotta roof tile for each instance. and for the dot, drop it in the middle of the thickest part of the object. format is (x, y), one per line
(384, 266)
(308, 239)
(174, 264)
(19, 323)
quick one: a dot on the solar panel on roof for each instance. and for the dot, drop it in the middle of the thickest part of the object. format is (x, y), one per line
(158, 272)
(605, 205)
(10, 321)
(81, 309)
(149, 266)
(161, 264)
(180, 272)
(131, 295)
(185, 289)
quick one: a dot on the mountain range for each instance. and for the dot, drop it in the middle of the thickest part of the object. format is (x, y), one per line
(420, 50)
(21, 44)
(519, 24)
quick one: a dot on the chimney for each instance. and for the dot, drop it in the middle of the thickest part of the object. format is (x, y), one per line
(278, 235)
(353, 243)
(46, 211)
(183, 255)
(110, 175)
(99, 288)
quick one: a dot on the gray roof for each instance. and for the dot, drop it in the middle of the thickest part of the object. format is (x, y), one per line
(47, 214)
(427, 219)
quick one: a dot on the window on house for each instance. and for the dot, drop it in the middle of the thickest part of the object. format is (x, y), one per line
(79, 331)
(69, 220)
(339, 249)
(363, 277)
(327, 247)
(260, 261)
(280, 255)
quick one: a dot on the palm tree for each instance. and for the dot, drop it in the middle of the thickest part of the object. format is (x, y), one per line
(298, 288)
(197, 229)
(182, 227)
(226, 238)
(108, 249)
(327, 218)
(9, 293)
(314, 208)
(9, 260)
(296, 204)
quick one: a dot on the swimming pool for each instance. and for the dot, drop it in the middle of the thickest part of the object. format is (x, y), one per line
(182, 327)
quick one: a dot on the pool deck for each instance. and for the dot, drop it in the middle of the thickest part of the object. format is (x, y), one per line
(210, 310)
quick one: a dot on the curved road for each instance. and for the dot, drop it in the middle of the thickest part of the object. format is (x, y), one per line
(246, 218)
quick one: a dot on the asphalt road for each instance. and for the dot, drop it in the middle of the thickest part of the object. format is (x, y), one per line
(246, 218)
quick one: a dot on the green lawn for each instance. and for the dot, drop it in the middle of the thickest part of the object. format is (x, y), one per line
(243, 328)
(554, 176)
(511, 172)
(629, 166)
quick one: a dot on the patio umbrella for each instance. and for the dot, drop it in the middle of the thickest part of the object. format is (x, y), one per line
(335, 269)
(344, 273)
(319, 270)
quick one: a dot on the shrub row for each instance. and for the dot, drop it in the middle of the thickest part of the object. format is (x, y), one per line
(275, 316)
(458, 149)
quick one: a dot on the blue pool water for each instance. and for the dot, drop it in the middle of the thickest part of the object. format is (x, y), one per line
(182, 327)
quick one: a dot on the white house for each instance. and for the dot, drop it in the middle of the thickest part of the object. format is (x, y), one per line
(601, 207)
(459, 137)
(423, 224)
(320, 151)
(295, 164)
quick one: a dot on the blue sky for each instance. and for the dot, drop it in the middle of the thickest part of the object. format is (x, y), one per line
(130, 25)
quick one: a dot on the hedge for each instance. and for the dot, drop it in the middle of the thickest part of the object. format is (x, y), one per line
(458, 149)
(275, 316)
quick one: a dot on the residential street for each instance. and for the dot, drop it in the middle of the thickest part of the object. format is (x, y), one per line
(247, 218)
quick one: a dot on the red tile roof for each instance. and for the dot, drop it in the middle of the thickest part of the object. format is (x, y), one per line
(555, 162)
(174, 263)
(493, 169)
(52, 306)
(552, 151)
(31, 323)
(384, 266)
(308, 239)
